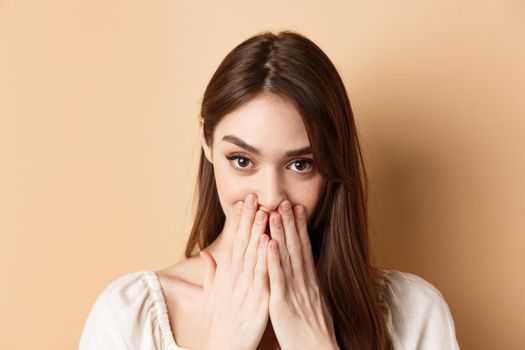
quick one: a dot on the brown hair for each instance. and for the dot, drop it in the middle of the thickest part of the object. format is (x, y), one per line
(293, 67)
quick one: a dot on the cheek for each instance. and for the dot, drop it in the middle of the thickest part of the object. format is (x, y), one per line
(228, 189)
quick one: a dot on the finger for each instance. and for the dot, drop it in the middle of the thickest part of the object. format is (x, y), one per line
(304, 237)
(250, 258)
(293, 243)
(277, 233)
(275, 272)
(261, 267)
(231, 229)
(209, 270)
(242, 236)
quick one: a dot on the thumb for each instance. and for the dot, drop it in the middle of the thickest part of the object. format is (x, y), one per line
(209, 269)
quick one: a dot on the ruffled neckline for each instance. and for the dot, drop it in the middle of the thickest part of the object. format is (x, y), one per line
(155, 287)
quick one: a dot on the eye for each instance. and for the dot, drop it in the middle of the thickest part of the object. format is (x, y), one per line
(240, 160)
(301, 164)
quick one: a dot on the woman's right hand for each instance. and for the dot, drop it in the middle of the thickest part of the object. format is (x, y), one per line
(236, 292)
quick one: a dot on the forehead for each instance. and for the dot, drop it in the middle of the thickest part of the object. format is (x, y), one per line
(267, 121)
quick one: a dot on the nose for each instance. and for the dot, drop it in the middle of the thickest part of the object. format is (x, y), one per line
(270, 192)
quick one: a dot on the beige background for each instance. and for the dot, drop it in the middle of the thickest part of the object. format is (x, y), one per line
(98, 145)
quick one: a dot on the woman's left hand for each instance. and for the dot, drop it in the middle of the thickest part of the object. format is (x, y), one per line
(297, 311)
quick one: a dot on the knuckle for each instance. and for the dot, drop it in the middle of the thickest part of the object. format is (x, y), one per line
(298, 263)
(301, 299)
(287, 218)
(258, 224)
(295, 246)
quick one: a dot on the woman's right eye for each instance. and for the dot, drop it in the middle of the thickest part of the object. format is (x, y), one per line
(241, 162)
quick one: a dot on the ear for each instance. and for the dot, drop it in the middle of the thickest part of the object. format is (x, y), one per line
(206, 148)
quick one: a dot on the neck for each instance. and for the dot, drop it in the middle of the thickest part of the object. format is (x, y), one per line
(218, 248)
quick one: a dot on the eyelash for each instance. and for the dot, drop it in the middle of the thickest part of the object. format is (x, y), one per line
(234, 157)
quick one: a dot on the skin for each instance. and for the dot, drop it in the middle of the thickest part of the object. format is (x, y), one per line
(286, 190)
(270, 176)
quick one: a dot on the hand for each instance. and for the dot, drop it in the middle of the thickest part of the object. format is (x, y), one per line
(297, 310)
(236, 292)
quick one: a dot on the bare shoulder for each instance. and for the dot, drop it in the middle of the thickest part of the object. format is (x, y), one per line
(188, 270)
(182, 281)
(181, 285)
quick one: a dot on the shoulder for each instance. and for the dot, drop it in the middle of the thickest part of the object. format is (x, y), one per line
(122, 295)
(416, 312)
(129, 310)
(405, 287)
(188, 271)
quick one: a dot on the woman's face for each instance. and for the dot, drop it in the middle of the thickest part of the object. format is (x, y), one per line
(263, 148)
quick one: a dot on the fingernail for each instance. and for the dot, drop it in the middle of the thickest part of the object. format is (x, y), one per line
(277, 221)
(238, 207)
(298, 211)
(260, 215)
(286, 206)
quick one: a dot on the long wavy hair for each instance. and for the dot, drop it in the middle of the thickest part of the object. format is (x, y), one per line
(293, 67)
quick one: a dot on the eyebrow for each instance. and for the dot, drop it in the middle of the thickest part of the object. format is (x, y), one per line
(241, 143)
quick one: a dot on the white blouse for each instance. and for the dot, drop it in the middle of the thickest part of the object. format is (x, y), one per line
(131, 313)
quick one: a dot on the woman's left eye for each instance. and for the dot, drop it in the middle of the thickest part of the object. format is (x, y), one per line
(309, 164)
(303, 166)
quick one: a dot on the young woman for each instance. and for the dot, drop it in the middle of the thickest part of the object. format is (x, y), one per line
(281, 228)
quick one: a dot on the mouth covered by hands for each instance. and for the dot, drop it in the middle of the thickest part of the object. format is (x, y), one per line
(265, 278)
